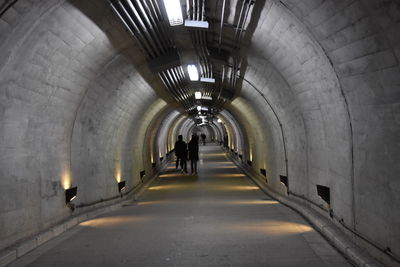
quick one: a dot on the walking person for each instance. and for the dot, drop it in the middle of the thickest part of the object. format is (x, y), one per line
(194, 152)
(203, 138)
(181, 153)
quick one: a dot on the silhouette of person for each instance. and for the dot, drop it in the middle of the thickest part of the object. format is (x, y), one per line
(194, 152)
(181, 153)
(203, 138)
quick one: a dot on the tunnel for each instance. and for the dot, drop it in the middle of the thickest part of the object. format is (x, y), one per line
(300, 99)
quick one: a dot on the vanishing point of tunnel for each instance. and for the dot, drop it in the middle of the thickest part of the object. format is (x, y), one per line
(293, 105)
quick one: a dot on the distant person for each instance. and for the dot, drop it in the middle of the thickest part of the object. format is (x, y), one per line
(181, 153)
(194, 152)
(203, 138)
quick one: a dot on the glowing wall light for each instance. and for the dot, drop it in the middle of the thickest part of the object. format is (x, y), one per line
(66, 179)
(193, 74)
(174, 12)
(198, 108)
(197, 95)
(219, 121)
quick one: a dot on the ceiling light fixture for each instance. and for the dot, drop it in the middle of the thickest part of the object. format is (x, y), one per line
(196, 24)
(219, 120)
(174, 12)
(198, 108)
(193, 74)
(197, 95)
(207, 80)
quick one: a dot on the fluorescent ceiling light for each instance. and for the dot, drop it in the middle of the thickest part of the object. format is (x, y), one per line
(174, 12)
(198, 108)
(206, 97)
(207, 80)
(219, 120)
(193, 74)
(197, 95)
(196, 23)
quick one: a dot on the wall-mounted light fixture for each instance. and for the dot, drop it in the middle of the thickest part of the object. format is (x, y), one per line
(121, 186)
(161, 158)
(263, 172)
(285, 181)
(70, 194)
(197, 95)
(199, 108)
(241, 156)
(193, 74)
(142, 174)
(174, 12)
(324, 193)
(206, 97)
(219, 121)
(153, 164)
(250, 163)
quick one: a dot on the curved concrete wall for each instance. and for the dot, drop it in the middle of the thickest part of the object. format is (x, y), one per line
(319, 103)
(74, 111)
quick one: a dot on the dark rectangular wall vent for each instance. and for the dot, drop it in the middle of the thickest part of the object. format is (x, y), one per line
(161, 158)
(250, 163)
(153, 164)
(263, 172)
(284, 180)
(324, 193)
(121, 185)
(240, 156)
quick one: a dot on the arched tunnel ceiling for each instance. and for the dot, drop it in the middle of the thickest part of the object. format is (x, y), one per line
(218, 51)
(307, 89)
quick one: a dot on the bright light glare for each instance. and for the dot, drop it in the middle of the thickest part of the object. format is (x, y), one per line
(197, 95)
(219, 120)
(196, 24)
(174, 12)
(198, 108)
(193, 74)
(207, 80)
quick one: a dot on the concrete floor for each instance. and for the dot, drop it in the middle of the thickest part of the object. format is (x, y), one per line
(217, 218)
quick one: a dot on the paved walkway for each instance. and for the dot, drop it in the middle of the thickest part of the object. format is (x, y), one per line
(217, 218)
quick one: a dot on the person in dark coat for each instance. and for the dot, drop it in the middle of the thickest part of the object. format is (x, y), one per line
(194, 152)
(181, 153)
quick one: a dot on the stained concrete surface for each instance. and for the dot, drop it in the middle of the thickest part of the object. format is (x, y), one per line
(217, 218)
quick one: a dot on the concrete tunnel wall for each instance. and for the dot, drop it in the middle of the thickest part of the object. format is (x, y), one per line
(78, 108)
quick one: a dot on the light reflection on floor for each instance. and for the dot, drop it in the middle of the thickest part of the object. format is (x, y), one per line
(110, 222)
(214, 202)
(271, 227)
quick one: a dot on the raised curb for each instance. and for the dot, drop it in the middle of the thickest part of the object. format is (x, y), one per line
(328, 229)
(12, 253)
